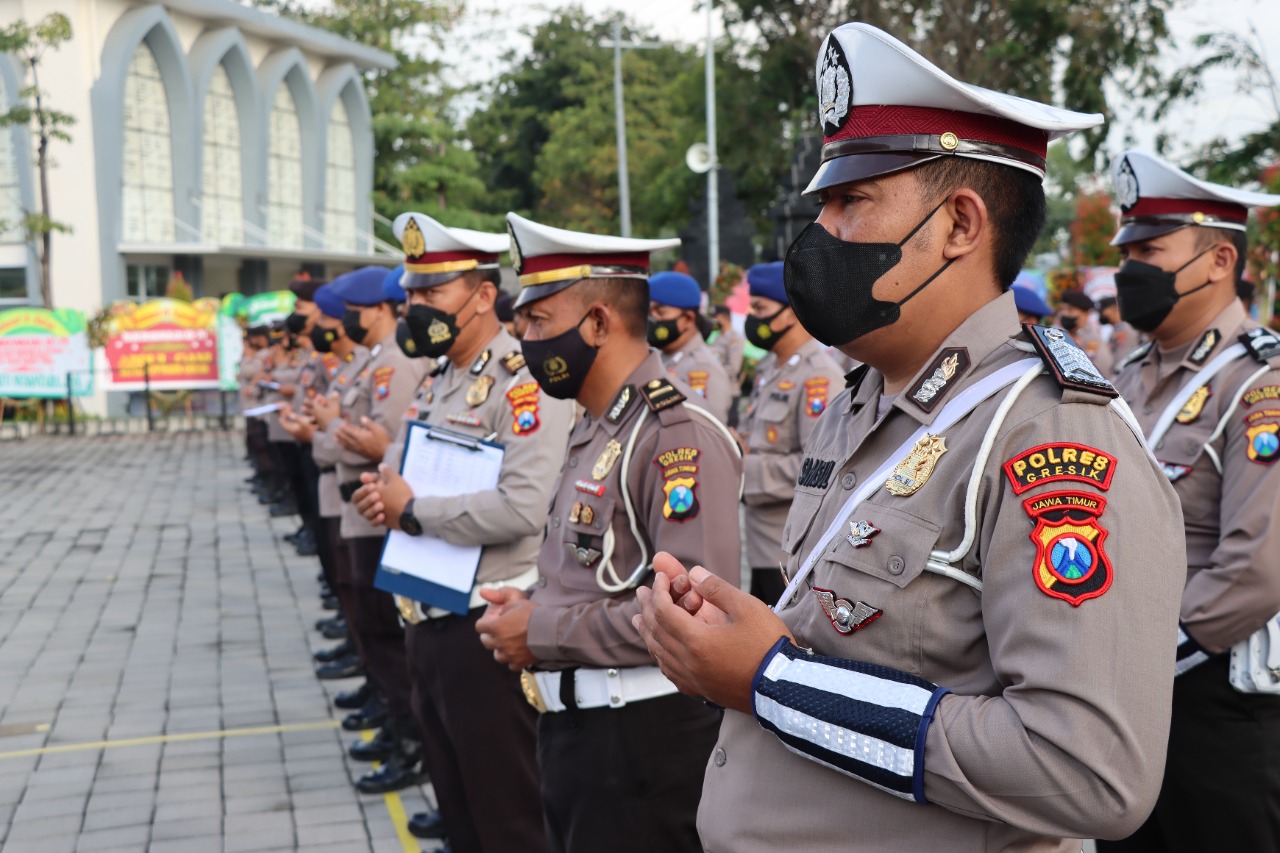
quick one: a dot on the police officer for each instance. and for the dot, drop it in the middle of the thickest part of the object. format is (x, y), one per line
(1123, 338)
(1076, 318)
(793, 385)
(466, 703)
(674, 302)
(620, 752)
(1031, 308)
(970, 626)
(276, 385)
(727, 346)
(371, 411)
(1207, 394)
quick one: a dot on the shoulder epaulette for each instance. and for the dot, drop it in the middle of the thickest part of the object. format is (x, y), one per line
(1137, 355)
(660, 394)
(513, 361)
(1263, 344)
(1068, 363)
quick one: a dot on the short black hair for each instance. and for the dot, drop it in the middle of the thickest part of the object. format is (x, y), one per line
(1014, 198)
(1206, 237)
(628, 296)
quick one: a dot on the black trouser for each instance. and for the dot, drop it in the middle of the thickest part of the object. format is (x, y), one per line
(309, 506)
(626, 779)
(478, 738)
(373, 619)
(286, 469)
(1221, 787)
(340, 583)
(768, 585)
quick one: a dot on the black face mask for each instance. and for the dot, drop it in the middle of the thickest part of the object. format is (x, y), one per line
(322, 339)
(351, 325)
(663, 332)
(404, 339)
(434, 332)
(560, 364)
(295, 323)
(1146, 293)
(761, 334)
(1068, 324)
(829, 282)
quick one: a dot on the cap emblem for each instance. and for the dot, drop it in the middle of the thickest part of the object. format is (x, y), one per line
(835, 88)
(516, 260)
(949, 141)
(1126, 185)
(412, 240)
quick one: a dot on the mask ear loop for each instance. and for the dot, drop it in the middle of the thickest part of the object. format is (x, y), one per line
(1183, 267)
(940, 270)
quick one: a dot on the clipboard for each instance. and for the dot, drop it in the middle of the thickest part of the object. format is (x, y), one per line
(438, 462)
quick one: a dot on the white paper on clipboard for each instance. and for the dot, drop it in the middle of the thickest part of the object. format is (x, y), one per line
(439, 463)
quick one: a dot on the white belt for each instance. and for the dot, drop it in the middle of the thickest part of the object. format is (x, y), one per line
(596, 688)
(413, 612)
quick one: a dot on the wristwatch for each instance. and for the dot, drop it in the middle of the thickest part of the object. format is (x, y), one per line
(409, 522)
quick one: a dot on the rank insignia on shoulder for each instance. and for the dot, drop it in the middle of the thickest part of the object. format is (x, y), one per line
(1264, 443)
(846, 616)
(1208, 341)
(1068, 363)
(815, 395)
(479, 391)
(861, 533)
(1174, 473)
(513, 362)
(1070, 562)
(481, 362)
(524, 408)
(608, 458)
(660, 394)
(1137, 355)
(1190, 411)
(622, 404)
(917, 467)
(1264, 344)
(950, 363)
(1064, 460)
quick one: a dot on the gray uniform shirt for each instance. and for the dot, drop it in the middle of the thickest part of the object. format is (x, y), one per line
(697, 369)
(325, 449)
(1057, 720)
(786, 401)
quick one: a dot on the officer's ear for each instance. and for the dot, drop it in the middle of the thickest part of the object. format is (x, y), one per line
(1224, 257)
(970, 222)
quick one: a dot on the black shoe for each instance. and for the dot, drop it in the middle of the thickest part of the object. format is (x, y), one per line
(380, 748)
(283, 508)
(320, 578)
(427, 825)
(306, 546)
(347, 667)
(270, 496)
(334, 653)
(350, 700)
(326, 620)
(335, 630)
(329, 602)
(396, 774)
(371, 716)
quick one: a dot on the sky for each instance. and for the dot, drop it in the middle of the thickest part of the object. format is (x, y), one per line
(491, 28)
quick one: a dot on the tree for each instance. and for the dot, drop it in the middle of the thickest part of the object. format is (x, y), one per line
(30, 43)
(420, 161)
(1092, 230)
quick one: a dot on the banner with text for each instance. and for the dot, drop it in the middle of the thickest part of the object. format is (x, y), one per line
(174, 343)
(39, 349)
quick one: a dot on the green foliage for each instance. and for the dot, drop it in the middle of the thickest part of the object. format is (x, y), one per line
(420, 161)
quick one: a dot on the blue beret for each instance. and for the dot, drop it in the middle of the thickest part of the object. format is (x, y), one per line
(362, 286)
(675, 289)
(391, 288)
(329, 302)
(766, 280)
(1029, 302)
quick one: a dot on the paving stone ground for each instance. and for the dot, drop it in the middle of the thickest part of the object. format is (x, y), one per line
(143, 593)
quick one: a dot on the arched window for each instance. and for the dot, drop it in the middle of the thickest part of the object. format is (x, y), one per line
(340, 183)
(10, 194)
(221, 205)
(284, 173)
(148, 156)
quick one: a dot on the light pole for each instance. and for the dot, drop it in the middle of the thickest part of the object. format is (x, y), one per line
(620, 117)
(713, 183)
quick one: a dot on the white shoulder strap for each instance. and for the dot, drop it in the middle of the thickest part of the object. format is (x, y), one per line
(1180, 399)
(958, 407)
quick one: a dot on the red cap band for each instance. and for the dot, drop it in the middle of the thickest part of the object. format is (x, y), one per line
(1220, 210)
(542, 263)
(889, 120)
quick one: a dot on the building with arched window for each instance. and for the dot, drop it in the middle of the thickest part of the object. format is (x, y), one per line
(210, 139)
